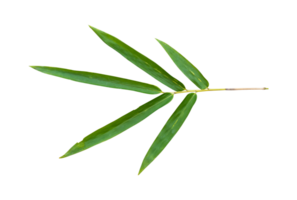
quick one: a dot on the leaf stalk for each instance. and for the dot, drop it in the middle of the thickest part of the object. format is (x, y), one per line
(222, 89)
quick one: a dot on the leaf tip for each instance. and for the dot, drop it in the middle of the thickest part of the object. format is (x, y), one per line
(155, 38)
(31, 66)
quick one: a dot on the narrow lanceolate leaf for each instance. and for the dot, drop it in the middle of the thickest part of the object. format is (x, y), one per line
(169, 130)
(186, 67)
(99, 79)
(120, 125)
(140, 60)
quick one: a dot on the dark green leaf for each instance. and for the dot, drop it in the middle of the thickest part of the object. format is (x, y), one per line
(98, 79)
(120, 125)
(167, 133)
(184, 65)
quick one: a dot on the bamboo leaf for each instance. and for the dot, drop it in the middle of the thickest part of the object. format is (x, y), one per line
(186, 67)
(140, 60)
(99, 79)
(120, 125)
(169, 130)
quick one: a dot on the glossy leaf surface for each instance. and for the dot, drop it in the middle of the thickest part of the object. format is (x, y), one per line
(120, 125)
(99, 79)
(186, 67)
(169, 130)
(140, 60)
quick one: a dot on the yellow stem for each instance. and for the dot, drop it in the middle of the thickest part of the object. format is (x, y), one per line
(229, 89)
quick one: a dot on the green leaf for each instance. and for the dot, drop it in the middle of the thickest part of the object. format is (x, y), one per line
(140, 60)
(169, 130)
(186, 67)
(120, 125)
(99, 79)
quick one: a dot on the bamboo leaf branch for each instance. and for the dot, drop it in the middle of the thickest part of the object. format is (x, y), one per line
(130, 119)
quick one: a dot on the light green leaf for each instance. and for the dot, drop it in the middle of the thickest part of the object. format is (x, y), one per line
(169, 130)
(140, 60)
(120, 125)
(186, 67)
(99, 79)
